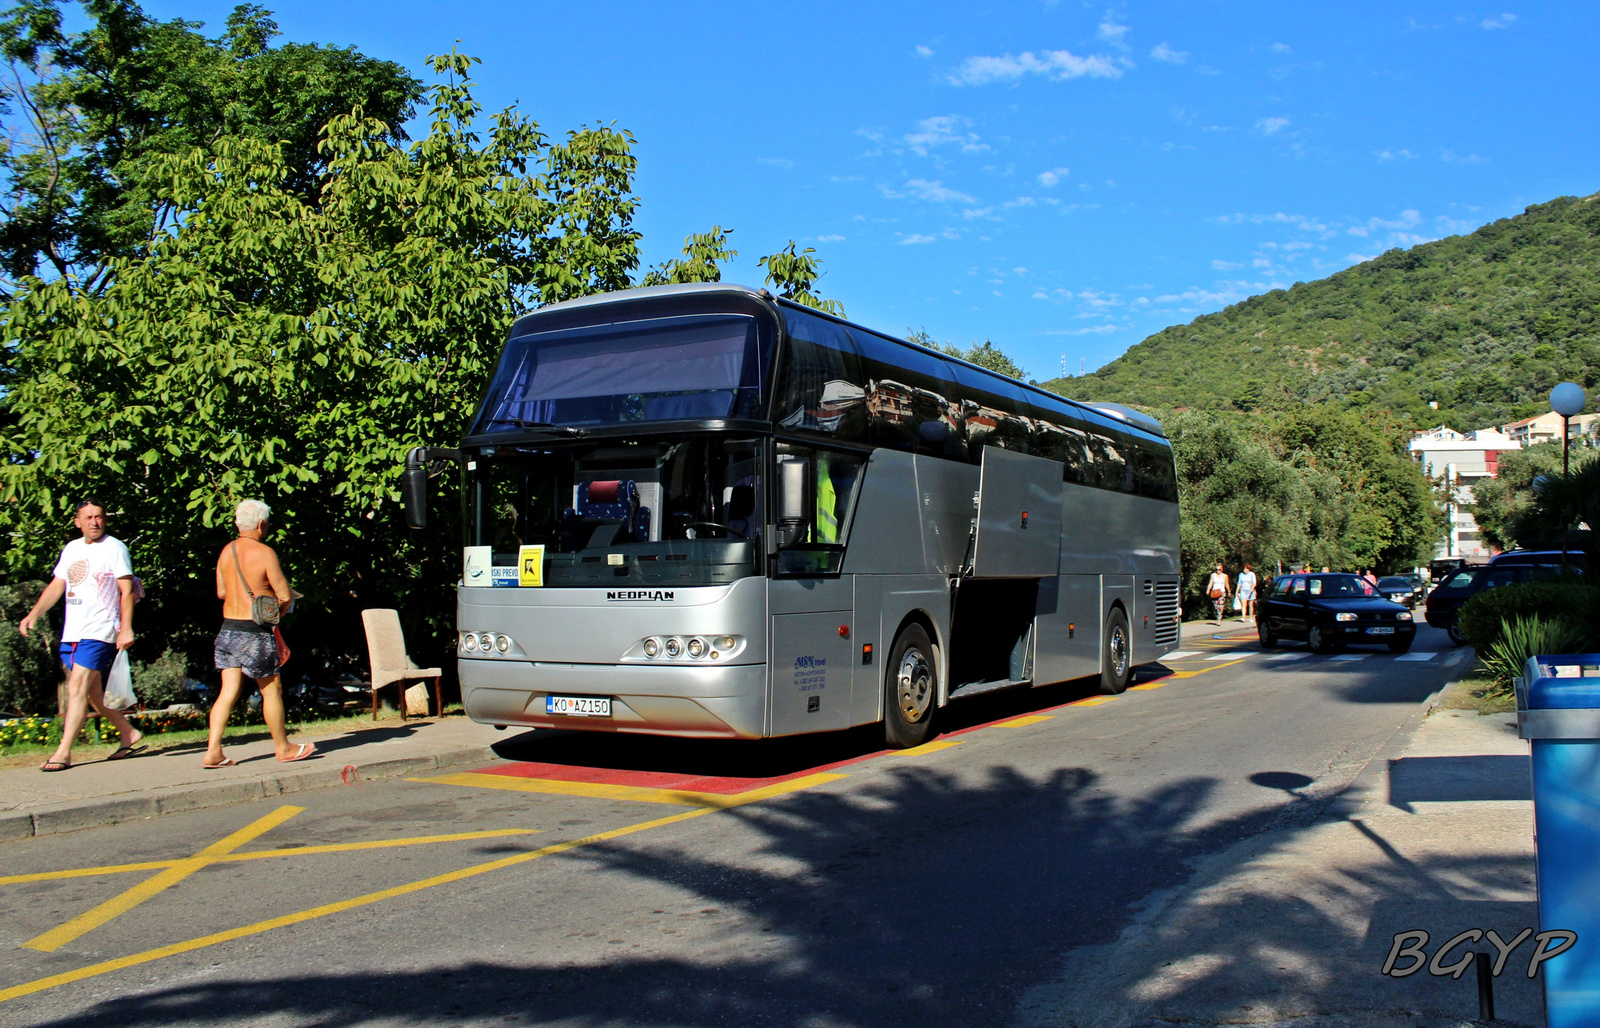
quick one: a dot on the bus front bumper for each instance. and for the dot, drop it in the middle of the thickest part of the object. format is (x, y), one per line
(698, 702)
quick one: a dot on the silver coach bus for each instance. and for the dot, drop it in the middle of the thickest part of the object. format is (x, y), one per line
(703, 511)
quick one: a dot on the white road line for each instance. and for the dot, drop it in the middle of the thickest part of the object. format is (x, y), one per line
(1182, 655)
(1230, 655)
(1351, 656)
(1417, 656)
(1302, 655)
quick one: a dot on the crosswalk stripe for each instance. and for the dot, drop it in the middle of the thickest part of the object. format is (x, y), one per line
(1230, 655)
(1351, 656)
(1181, 654)
(1419, 655)
(1301, 655)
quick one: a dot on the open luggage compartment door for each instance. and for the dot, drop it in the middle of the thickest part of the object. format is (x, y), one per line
(1019, 516)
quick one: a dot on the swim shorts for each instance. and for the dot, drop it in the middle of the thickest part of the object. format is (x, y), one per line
(89, 653)
(248, 646)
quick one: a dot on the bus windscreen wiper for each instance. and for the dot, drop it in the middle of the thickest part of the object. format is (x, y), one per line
(544, 425)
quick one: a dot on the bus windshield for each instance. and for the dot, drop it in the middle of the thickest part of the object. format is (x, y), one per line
(680, 512)
(660, 369)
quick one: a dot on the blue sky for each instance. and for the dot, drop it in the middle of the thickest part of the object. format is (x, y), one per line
(1061, 178)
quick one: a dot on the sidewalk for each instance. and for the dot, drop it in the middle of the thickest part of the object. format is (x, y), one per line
(1292, 927)
(102, 793)
(1196, 631)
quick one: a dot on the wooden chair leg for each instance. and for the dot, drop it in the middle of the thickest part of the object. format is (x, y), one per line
(374, 704)
(400, 694)
(438, 698)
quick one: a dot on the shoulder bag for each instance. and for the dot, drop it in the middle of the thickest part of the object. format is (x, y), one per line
(264, 608)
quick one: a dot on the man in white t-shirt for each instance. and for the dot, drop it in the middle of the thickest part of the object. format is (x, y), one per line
(96, 575)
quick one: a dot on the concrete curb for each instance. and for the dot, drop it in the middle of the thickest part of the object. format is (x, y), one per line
(75, 815)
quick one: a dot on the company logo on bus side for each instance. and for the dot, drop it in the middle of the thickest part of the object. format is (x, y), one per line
(639, 594)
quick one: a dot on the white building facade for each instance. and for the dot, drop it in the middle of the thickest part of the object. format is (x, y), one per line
(1461, 460)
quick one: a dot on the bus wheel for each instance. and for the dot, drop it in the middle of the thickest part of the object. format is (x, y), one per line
(1117, 662)
(912, 689)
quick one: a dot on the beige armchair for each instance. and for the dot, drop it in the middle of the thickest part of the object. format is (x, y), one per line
(386, 648)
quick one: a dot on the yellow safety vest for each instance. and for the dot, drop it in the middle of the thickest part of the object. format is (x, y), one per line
(827, 501)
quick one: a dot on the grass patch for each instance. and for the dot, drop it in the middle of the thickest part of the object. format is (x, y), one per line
(1478, 691)
(26, 754)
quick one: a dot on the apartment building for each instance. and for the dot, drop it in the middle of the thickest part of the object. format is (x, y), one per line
(1464, 459)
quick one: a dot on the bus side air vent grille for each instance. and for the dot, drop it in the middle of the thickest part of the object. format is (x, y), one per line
(1166, 633)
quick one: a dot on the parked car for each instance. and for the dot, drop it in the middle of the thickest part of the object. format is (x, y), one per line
(1548, 558)
(1443, 607)
(1399, 588)
(1332, 610)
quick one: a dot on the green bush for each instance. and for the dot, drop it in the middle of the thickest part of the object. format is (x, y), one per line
(1529, 636)
(1484, 617)
(163, 681)
(29, 671)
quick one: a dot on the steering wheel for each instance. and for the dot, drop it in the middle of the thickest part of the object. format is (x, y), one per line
(711, 524)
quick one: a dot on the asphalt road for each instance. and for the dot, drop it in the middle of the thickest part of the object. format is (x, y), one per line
(926, 888)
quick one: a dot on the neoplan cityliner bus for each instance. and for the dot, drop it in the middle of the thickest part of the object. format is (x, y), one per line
(703, 511)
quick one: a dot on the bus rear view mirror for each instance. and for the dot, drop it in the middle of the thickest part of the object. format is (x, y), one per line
(795, 505)
(414, 491)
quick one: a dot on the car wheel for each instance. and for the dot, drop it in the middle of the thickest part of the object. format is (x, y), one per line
(911, 689)
(1117, 660)
(1454, 628)
(1318, 640)
(1399, 645)
(1264, 634)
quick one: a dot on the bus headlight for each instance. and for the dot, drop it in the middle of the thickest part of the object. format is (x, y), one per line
(652, 648)
(502, 643)
(700, 648)
(469, 642)
(486, 642)
(697, 648)
(726, 642)
(674, 647)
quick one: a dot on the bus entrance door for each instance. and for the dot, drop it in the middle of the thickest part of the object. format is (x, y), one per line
(811, 670)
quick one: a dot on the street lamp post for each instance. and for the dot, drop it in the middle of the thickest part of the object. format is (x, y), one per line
(1567, 400)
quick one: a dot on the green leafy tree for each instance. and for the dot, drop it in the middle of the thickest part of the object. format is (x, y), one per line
(93, 115)
(984, 354)
(1498, 502)
(291, 350)
(703, 255)
(794, 275)
(1561, 505)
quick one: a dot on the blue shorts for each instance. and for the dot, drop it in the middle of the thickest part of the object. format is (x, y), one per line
(89, 653)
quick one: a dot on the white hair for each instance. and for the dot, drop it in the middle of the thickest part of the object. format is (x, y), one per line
(250, 513)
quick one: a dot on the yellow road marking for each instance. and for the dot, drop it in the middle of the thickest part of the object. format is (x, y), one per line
(1093, 701)
(93, 970)
(1219, 665)
(1018, 722)
(635, 793)
(89, 920)
(1146, 687)
(927, 747)
(343, 847)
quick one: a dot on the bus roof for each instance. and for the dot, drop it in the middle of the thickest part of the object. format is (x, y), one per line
(1133, 418)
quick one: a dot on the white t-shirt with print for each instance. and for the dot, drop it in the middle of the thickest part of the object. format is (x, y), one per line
(94, 602)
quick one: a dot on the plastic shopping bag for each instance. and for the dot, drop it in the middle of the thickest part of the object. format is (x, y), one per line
(119, 684)
(1236, 604)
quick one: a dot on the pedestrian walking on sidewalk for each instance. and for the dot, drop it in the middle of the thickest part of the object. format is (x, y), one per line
(1246, 588)
(253, 591)
(1218, 589)
(95, 574)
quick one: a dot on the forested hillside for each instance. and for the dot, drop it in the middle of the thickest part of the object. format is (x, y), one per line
(1482, 324)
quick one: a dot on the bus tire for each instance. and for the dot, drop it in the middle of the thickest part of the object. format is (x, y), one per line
(911, 689)
(1116, 664)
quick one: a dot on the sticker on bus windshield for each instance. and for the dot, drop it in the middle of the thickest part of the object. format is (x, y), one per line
(503, 577)
(530, 561)
(476, 562)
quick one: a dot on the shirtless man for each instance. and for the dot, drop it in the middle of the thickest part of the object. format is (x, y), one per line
(244, 647)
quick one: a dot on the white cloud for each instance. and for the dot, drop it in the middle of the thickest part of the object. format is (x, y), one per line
(830, 239)
(1297, 220)
(936, 192)
(1453, 226)
(1268, 126)
(1451, 157)
(1226, 265)
(1021, 201)
(1282, 48)
(1111, 32)
(1095, 330)
(943, 130)
(1054, 175)
(917, 239)
(1394, 155)
(1163, 52)
(976, 212)
(1057, 65)
(1502, 22)
(1359, 258)
(924, 51)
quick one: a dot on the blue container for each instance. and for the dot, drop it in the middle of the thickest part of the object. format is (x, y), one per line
(1558, 710)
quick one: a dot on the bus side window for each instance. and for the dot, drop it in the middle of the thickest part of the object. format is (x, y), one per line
(821, 388)
(816, 490)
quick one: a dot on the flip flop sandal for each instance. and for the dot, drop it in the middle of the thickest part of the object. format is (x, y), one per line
(124, 752)
(306, 750)
(54, 765)
(225, 762)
